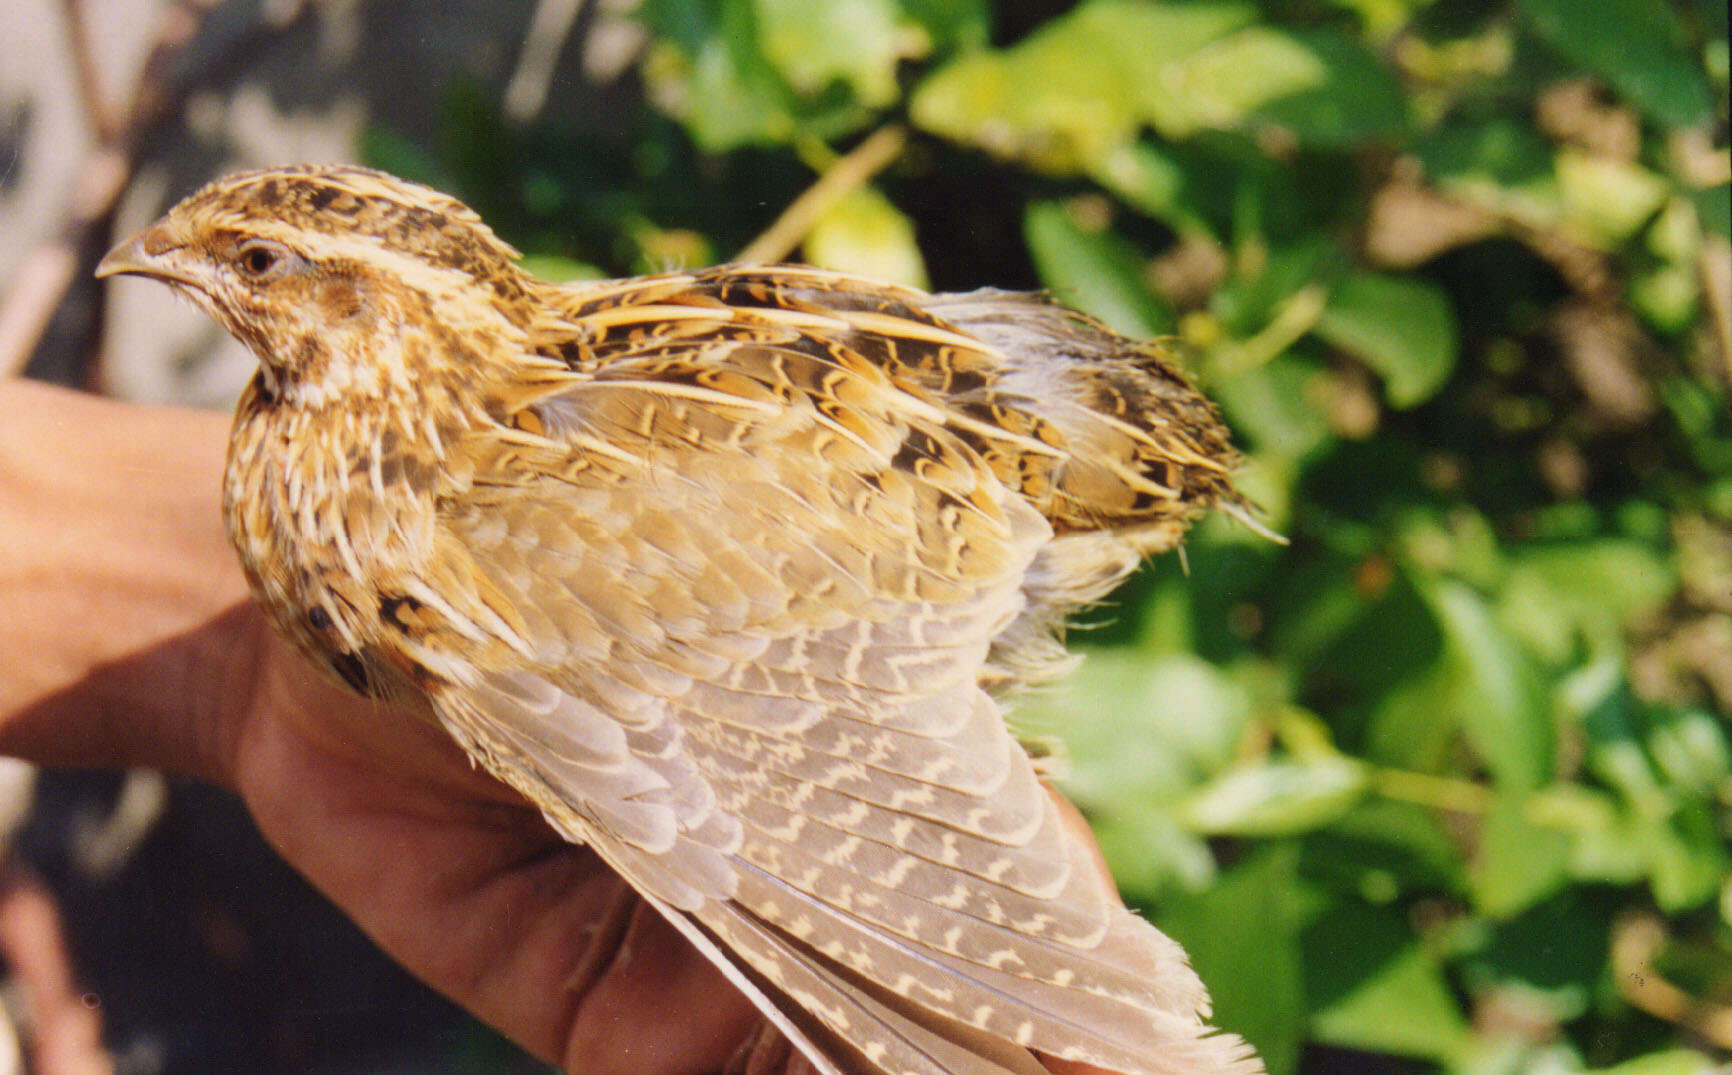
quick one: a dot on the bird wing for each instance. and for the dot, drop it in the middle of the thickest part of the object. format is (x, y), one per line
(737, 604)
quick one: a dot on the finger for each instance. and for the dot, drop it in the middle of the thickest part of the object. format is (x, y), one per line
(659, 1005)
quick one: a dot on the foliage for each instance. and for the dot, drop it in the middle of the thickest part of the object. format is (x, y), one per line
(1447, 778)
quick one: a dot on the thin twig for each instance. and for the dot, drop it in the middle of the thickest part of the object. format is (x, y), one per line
(549, 29)
(1636, 940)
(851, 171)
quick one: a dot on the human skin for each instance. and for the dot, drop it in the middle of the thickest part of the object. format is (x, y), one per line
(128, 639)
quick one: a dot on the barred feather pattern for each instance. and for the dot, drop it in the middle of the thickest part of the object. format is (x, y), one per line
(727, 571)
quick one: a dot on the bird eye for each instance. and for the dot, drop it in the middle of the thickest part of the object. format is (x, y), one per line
(260, 259)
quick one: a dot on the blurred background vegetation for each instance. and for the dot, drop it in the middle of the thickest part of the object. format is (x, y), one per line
(1444, 784)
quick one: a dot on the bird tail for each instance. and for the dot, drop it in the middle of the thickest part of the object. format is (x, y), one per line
(1126, 456)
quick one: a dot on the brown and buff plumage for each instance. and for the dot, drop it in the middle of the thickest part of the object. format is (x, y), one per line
(722, 570)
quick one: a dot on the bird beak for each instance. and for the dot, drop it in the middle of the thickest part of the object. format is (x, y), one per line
(153, 253)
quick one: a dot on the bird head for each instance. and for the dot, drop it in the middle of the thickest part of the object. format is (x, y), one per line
(318, 268)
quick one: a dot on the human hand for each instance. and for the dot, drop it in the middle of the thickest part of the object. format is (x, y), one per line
(458, 879)
(449, 871)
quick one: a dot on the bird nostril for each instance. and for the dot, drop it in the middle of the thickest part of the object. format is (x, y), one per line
(157, 240)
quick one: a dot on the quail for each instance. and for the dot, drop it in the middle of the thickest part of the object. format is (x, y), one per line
(726, 571)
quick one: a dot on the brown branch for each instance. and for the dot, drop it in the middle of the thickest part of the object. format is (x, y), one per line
(47, 272)
(42, 278)
(851, 171)
(1635, 942)
(1714, 265)
(549, 30)
(88, 70)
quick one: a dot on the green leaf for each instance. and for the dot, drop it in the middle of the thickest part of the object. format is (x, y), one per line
(951, 23)
(1691, 750)
(1608, 199)
(1667, 295)
(1054, 103)
(1271, 404)
(864, 233)
(1242, 936)
(707, 69)
(1615, 720)
(1096, 271)
(1518, 863)
(1715, 208)
(1157, 181)
(1323, 87)
(1551, 956)
(1639, 46)
(1499, 164)
(1139, 731)
(848, 41)
(1382, 850)
(1665, 1062)
(1499, 151)
(1606, 841)
(1151, 854)
(1373, 986)
(1076, 88)
(1494, 690)
(558, 269)
(1249, 301)
(1690, 859)
(1557, 593)
(1401, 327)
(1281, 797)
(1358, 99)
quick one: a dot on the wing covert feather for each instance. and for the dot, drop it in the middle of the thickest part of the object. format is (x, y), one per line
(754, 690)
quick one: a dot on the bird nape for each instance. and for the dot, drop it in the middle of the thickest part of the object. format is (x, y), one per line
(725, 571)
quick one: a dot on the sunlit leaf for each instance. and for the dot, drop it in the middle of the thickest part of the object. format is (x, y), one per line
(1139, 730)
(951, 23)
(1691, 749)
(1277, 798)
(1044, 103)
(1607, 198)
(1690, 858)
(1076, 88)
(1518, 863)
(1324, 88)
(851, 41)
(708, 70)
(1558, 593)
(1665, 1062)
(864, 233)
(559, 269)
